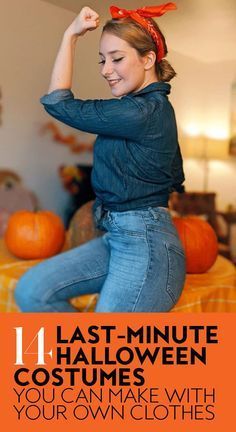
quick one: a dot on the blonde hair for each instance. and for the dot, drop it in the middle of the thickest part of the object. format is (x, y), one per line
(139, 38)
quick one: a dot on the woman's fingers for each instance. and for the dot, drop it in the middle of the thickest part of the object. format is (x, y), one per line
(87, 19)
(89, 12)
(90, 17)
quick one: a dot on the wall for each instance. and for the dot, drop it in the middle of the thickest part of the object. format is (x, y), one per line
(30, 31)
(201, 95)
(29, 40)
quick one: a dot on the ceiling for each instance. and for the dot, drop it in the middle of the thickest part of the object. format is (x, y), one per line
(201, 29)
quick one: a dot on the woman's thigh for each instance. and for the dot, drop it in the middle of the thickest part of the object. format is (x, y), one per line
(49, 285)
(127, 269)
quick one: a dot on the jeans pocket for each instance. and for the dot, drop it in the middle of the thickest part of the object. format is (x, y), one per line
(176, 271)
(130, 223)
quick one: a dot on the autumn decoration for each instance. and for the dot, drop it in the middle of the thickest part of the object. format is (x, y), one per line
(71, 141)
(34, 235)
(199, 241)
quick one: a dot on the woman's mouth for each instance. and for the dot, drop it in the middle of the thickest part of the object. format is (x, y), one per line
(113, 82)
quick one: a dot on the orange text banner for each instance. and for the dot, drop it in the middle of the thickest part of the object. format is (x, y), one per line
(117, 372)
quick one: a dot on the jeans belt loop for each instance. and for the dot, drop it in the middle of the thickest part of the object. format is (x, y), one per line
(154, 215)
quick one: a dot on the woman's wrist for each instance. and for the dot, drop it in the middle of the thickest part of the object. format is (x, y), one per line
(70, 36)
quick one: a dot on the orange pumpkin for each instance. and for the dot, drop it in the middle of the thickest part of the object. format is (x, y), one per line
(199, 241)
(34, 235)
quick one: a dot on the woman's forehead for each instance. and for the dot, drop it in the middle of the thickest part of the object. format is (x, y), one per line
(110, 43)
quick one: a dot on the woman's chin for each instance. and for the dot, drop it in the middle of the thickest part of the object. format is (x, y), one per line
(117, 92)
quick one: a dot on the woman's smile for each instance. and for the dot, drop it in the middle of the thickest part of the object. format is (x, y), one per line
(113, 82)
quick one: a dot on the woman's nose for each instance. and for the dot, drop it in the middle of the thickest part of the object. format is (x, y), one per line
(107, 69)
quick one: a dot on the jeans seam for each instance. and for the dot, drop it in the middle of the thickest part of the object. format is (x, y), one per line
(66, 285)
(168, 289)
(169, 292)
(147, 269)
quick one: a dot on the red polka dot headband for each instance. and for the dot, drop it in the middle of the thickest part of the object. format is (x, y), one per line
(141, 16)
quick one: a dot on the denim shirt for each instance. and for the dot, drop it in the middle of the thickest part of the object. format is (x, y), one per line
(137, 158)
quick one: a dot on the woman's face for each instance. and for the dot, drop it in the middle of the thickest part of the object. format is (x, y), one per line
(121, 65)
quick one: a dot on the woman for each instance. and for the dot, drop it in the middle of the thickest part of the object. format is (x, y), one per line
(138, 265)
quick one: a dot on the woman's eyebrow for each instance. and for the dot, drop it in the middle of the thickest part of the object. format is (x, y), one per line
(112, 52)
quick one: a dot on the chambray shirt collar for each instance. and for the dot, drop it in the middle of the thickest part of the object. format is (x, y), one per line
(159, 86)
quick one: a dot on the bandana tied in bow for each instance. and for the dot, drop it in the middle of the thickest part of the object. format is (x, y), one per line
(141, 15)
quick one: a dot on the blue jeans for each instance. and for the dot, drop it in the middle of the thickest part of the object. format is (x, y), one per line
(138, 265)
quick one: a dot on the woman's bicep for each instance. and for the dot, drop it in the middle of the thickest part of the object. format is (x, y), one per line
(115, 117)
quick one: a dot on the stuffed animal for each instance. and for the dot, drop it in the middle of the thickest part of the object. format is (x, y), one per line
(13, 196)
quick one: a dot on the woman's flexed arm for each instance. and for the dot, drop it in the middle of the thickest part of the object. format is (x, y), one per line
(63, 68)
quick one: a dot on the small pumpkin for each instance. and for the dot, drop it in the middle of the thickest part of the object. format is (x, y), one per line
(82, 227)
(34, 235)
(199, 241)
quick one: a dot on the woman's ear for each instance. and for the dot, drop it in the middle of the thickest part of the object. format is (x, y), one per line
(150, 60)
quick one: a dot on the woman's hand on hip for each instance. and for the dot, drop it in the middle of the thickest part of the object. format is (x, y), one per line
(87, 19)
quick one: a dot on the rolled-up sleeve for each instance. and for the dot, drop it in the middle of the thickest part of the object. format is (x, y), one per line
(56, 96)
(125, 117)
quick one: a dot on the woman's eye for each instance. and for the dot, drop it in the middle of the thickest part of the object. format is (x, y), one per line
(114, 60)
(117, 60)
